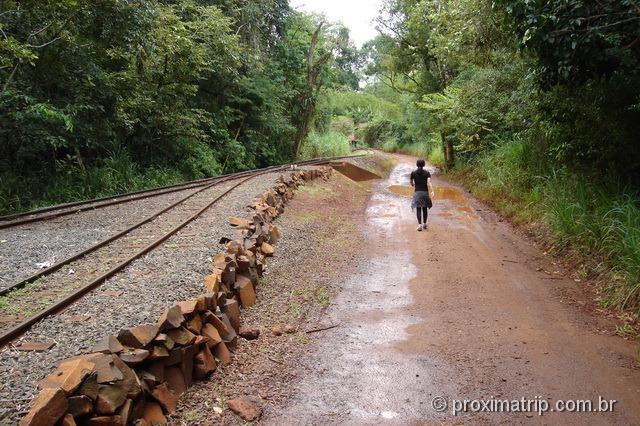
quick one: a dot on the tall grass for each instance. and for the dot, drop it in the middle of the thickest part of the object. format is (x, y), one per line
(417, 149)
(600, 220)
(604, 220)
(390, 145)
(436, 156)
(503, 179)
(116, 174)
(329, 144)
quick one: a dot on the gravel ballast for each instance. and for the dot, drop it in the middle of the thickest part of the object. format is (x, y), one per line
(78, 273)
(172, 272)
(50, 241)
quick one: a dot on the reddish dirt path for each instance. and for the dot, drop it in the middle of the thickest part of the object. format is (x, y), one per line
(459, 311)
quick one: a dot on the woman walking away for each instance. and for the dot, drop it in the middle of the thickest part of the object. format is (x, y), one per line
(421, 180)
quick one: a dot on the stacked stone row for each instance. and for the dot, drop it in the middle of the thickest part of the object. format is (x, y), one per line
(137, 376)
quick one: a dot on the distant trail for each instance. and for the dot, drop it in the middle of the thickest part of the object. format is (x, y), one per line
(460, 311)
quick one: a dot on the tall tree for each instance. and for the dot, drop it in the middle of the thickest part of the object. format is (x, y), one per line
(322, 41)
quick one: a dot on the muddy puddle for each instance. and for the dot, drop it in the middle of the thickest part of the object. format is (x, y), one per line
(441, 193)
(405, 191)
(449, 203)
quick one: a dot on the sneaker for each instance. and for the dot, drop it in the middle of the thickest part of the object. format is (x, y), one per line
(424, 226)
(420, 227)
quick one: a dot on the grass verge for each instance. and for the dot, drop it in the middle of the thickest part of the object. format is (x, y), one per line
(115, 175)
(596, 221)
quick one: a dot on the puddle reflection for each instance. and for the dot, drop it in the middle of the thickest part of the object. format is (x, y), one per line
(453, 204)
(403, 190)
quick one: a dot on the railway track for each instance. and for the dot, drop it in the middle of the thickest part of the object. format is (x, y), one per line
(49, 270)
(52, 212)
(58, 286)
(81, 206)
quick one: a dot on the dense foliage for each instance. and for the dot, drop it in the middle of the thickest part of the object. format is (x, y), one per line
(577, 40)
(535, 105)
(102, 97)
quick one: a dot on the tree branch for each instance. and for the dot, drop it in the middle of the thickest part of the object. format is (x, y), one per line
(39, 31)
(43, 45)
(392, 84)
(588, 29)
(312, 47)
(13, 73)
(635, 5)
(400, 36)
(633, 43)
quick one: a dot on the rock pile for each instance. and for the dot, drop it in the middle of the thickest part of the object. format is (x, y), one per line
(137, 376)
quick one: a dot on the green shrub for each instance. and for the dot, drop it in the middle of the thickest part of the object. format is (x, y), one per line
(428, 149)
(343, 125)
(417, 149)
(378, 131)
(390, 145)
(361, 106)
(198, 160)
(329, 144)
(436, 156)
(115, 174)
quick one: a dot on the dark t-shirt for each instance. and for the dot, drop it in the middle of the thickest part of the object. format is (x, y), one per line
(420, 179)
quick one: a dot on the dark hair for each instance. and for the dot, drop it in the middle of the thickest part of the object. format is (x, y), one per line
(420, 163)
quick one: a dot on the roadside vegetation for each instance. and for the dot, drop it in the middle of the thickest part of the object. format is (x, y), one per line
(328, 144)
(594, 219)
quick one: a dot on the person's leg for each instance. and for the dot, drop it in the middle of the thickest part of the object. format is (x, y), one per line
(419, 210)
(425, 214)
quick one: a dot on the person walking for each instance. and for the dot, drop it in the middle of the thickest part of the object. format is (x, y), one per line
(421, 181)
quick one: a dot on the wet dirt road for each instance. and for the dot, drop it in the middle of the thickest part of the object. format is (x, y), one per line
(457, 312)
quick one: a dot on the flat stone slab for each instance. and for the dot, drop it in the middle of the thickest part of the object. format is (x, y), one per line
(35, 346)
(79, 318)
(110, 293)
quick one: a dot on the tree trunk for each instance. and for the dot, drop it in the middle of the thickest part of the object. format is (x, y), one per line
(304, 121)
(448, 150)
(450, 155)
(10, 78)
(80, 161)
(309, 98)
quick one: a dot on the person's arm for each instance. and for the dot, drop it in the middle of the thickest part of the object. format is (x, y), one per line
(411, 180)
(431, 193)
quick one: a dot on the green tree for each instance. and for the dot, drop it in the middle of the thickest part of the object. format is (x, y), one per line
(320, 42)
(576, 40)
(162, 89)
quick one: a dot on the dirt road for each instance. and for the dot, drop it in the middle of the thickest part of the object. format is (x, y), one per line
(462, 311)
